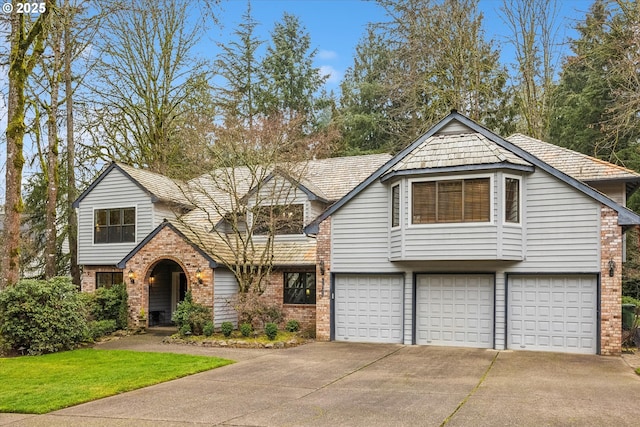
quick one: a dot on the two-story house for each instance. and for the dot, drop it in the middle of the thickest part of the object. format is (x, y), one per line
(463, 238)
(468, 239)
(156, 234)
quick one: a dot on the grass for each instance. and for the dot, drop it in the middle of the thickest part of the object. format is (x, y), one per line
(40, 384)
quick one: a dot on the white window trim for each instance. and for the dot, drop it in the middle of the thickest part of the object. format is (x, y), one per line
(399, 226)
(491, 221)
(504, 201)
(93, 225)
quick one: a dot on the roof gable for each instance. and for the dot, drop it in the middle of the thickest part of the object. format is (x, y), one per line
(158, 187)
(457, 121)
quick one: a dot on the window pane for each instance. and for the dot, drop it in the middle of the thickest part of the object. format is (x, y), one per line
(115, 234)
(103, 280)
(423, 199)
(100, 235)
(477, 200)
(278, 219)
(129, 216)
(449, 201)
(114, 217)
(512, 200)
(299, 288)
(395, 206)
(101, 217)
(129, 233)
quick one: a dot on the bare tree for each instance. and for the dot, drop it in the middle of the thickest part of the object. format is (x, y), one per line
(248, 199)
(27, 44)
(534, 31)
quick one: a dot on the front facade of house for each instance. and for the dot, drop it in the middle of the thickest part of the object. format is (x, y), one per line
(462, 239)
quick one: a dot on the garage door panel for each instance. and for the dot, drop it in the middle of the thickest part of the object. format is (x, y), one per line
(368, 308)
(455, 310)
(558, 313)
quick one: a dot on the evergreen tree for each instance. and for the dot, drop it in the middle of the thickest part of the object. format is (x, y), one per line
(239, 66)
(289, 80)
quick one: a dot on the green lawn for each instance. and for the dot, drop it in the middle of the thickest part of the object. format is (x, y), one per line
(40, 384)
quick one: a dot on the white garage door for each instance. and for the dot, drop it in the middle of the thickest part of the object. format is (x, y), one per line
(368, 308)
(455, 310)
(553, 313)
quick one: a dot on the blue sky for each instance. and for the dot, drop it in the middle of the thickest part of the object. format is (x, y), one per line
(335, 27)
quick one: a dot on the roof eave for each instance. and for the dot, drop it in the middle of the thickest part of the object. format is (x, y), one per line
(461, 168)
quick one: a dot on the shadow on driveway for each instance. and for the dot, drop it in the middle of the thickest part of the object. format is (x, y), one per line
(349, 384)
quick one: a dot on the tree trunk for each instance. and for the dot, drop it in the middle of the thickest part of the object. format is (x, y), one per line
(20, 66)
(72, 219)
(53, 178)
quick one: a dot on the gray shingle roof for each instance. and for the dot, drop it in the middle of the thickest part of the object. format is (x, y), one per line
(439, 151)
(575, 164)
(160, 186)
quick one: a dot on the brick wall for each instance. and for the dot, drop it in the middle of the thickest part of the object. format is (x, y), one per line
(88, 276)
(323, 292)
(167, 245)
(274, 294)
(611, 287)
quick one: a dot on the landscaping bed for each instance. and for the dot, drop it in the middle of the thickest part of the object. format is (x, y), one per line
(283, 340)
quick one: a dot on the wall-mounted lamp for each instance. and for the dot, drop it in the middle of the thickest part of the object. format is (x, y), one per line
(132, 277)
(199, 276)
(322, 267)
(152, 280)
(612, 267)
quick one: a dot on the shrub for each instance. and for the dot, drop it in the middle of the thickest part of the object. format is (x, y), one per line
(226, 328)
(271, 330)
(208, 329)
(185, 330)
(111, 304)
(191, 314)
(246, 329)
(253, 309)
(100, 328)
(42, 316)
(293, 326)
(630, 300)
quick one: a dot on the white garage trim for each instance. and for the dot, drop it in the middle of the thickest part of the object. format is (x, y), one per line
(557, 312)
(455, 310)
(368, 308)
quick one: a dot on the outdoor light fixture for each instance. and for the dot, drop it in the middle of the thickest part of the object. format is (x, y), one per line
(132, 276)
(199, 276)
(322, 267)
(152, 279)
(612, 267)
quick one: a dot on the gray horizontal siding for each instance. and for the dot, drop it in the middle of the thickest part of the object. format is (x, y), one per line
(464, 242)
(360, 233)
(562, 227)
(114, 191)
(226, 288)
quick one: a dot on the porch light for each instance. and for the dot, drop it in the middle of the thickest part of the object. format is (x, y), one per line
(322, 267)
(612, 267)
(132, 276)
(199, 276)
(152, 280)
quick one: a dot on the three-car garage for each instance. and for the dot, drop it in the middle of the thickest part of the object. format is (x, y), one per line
(542, 312)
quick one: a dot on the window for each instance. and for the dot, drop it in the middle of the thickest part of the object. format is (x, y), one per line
(299, 288)
(278, 219)
(512, 200)
(463, 200)
(106, 280)
(395, 206)
(115, 225)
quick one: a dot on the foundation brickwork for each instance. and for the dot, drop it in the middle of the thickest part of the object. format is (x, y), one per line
(323, 281)
(611, 287)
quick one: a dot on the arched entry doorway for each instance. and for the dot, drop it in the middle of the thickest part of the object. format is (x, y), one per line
(167, 287)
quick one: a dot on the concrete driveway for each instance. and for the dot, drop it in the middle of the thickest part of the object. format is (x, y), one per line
(348, 384)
